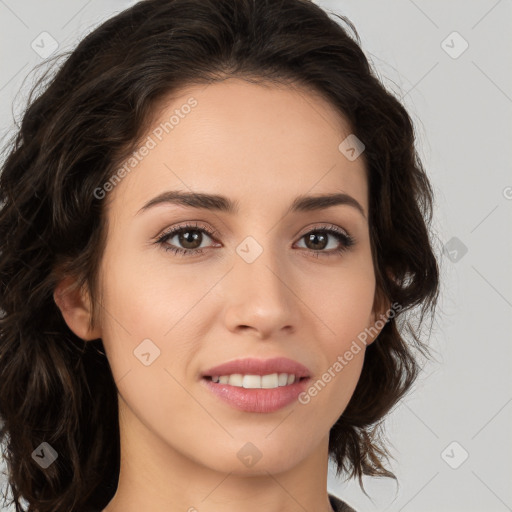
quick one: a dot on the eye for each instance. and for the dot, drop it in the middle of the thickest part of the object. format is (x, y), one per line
(190, 236)
(318, 239)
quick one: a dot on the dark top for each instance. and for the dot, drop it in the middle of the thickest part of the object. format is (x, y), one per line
(336, 504)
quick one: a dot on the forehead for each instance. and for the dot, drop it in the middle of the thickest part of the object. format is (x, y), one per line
(256, 143)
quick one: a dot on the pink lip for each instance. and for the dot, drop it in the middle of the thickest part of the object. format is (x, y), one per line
(257, 400)
(252, 366)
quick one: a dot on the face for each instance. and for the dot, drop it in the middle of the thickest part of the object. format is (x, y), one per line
(251, 281)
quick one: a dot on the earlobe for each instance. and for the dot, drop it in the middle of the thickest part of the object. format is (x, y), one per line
(75, 306)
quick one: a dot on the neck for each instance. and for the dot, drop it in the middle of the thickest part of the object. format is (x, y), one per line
(158, 477)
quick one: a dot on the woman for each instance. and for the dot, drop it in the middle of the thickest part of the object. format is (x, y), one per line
(213, 221)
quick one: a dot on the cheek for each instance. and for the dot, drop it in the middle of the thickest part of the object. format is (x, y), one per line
(154, 284)
(343, 302)
(149, 333)
(344, 308)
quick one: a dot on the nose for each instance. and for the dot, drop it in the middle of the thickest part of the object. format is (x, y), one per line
(260, 296)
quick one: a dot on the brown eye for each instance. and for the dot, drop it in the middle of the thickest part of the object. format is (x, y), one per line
(319, 239)
(186, 239)
(189, 239)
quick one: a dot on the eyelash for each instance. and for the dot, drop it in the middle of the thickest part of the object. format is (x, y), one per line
(346, 240)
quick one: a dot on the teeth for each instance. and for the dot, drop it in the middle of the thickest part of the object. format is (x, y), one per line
(283, 379)
(235, 380)
(270, 381)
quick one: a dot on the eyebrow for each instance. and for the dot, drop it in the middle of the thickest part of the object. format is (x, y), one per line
(302, 203)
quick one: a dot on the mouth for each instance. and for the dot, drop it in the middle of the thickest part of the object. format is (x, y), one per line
(255, 399)
(257, 385)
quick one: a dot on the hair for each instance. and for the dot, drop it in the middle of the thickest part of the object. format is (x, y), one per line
(58, 389)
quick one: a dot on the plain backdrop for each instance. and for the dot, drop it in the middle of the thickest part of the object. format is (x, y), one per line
(449, 62)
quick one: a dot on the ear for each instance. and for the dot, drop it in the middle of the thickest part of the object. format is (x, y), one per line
(75, 306)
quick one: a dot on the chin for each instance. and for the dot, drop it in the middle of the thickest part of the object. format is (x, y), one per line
(245, 459)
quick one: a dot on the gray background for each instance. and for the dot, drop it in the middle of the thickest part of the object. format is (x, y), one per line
(461, 104)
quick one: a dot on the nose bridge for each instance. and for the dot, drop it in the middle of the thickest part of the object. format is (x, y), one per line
(259, 266)
(259, 292)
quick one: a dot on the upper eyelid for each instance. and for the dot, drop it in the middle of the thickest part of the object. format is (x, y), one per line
(174, 230)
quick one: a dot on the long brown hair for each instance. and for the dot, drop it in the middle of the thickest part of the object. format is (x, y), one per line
(58, 389)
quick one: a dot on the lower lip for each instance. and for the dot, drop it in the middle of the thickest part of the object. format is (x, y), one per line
(257, 400)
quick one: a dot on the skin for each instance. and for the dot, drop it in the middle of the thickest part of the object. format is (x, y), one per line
(261, 146)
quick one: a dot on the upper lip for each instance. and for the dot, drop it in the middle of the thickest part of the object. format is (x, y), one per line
(251, 366)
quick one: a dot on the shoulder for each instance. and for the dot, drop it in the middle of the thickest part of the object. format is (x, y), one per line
(338, 505)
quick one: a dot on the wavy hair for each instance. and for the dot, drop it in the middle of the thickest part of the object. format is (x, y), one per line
(76, 130)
